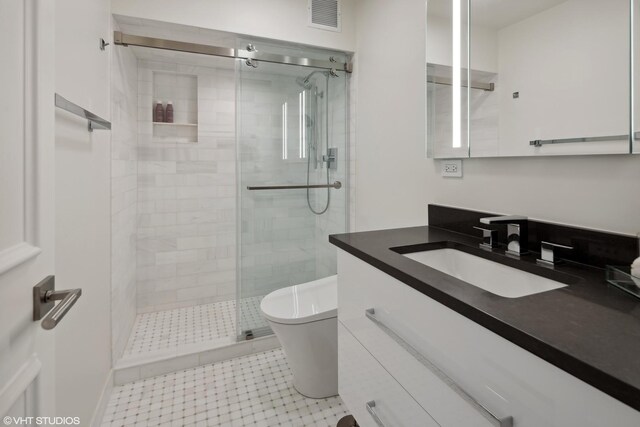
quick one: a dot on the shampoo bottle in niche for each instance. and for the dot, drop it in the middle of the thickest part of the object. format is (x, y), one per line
(168, 114)
(158, 112)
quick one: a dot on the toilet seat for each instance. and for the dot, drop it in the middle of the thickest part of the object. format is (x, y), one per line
(304, 303)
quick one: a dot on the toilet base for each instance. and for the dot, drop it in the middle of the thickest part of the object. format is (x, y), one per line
(312, 354)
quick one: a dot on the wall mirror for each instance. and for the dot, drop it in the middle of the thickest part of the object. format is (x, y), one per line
(529, 78)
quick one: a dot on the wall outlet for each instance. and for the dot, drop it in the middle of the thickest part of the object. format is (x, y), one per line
(451, 168)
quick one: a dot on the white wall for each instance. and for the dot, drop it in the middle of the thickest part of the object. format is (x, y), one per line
(565, 53)
(484, 44)
(636, 68)
(186, 232)
(572, 190)
(276, 19)
(83, 338)
(391, 170)
(394, 180)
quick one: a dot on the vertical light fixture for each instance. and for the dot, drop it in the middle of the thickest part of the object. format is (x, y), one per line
(303, 140)
(300, 118)
(284, 131)
(457, 74)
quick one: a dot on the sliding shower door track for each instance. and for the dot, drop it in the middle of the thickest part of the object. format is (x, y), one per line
(250, 334)
(122, 39)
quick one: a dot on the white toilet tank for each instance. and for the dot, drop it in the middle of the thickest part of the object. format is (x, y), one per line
(307, 302)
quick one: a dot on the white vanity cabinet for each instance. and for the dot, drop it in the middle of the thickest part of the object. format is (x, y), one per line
(457, 371)
(377, 398)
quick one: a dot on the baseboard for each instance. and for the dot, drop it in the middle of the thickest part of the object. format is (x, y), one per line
(98, 414)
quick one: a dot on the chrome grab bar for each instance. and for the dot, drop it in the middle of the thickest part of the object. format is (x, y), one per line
(44, 295)
(95, 122)
(493, 419)
(337, 185)
(371, 409)
(541, 142)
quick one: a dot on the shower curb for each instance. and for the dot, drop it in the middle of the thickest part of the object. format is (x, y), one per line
(126, 371)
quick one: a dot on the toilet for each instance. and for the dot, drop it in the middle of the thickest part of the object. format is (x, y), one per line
(304, 318)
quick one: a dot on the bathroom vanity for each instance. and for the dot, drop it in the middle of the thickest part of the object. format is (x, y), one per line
(419, 347)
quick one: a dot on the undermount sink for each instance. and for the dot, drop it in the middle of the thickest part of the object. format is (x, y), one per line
(491, 276)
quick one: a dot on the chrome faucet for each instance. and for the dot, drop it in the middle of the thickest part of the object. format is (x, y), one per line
(517, 232)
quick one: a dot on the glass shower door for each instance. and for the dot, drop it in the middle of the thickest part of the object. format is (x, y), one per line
(291, 131)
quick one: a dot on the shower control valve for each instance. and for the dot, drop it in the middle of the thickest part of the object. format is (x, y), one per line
(331, 158)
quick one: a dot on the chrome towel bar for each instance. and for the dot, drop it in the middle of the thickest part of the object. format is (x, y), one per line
(95, 122)
(337, 185)
(541, 142)
(495, 420)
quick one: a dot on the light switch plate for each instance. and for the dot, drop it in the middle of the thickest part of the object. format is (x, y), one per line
(451, 168)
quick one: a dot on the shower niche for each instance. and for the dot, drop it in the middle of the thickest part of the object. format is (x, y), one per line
(182, 91)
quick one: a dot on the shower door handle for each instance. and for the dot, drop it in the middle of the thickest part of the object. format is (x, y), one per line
(337, 185)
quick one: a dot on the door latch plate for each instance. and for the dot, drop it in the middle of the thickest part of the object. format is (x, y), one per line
(41, 308)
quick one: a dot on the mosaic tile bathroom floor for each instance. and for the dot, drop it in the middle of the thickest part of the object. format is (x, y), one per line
(252, 390)
(196, 324)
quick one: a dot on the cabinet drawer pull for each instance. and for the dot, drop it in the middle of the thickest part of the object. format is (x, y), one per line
(371, 409)
(494, 420)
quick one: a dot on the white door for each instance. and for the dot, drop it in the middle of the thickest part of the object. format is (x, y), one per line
(26, 205)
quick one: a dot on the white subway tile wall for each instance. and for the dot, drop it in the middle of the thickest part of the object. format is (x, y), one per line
(283, 243)
(124, 195)
(186, 225)
(174, 191)
(334, 220)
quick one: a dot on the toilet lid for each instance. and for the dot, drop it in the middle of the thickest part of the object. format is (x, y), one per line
(304, 303)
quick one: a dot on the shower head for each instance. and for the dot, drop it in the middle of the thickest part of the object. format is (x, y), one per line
(305, 81)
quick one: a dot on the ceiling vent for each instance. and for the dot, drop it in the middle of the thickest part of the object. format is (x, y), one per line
(324, 14)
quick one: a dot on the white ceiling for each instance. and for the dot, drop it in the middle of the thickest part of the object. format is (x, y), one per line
(495, 13)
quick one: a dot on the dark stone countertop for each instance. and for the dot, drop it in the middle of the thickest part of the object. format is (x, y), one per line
(588, 328)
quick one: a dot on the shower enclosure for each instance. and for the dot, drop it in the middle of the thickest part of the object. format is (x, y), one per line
(233, 199)
(292, 152)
